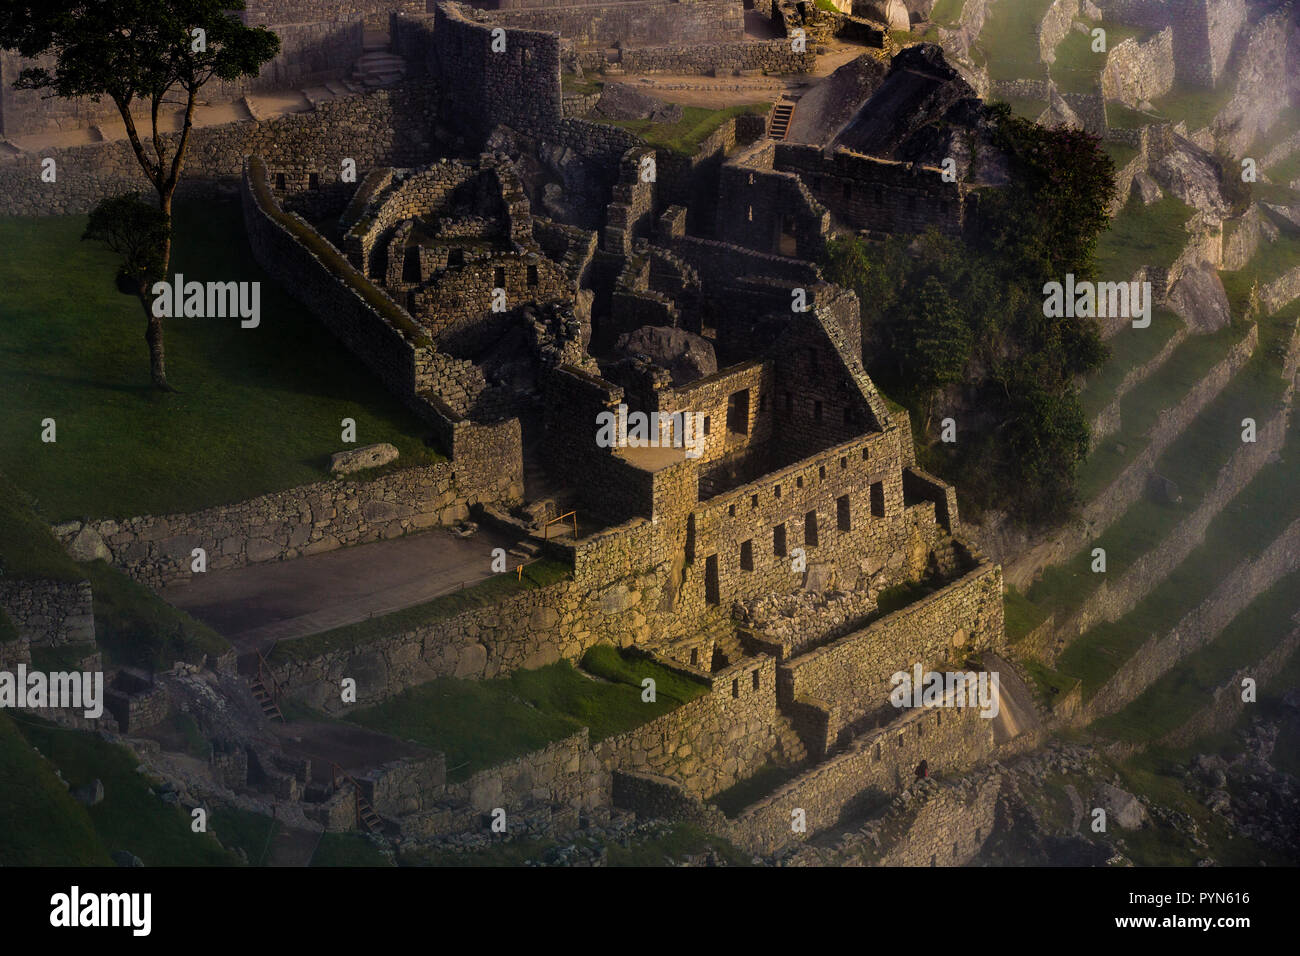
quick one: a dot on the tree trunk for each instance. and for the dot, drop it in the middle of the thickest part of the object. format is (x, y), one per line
(153, 336)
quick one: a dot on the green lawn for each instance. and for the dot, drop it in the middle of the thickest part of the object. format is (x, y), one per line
(478, 724)
(244, 830)
(946, 12)
(487, 592)
(258, 409)
(696, 124)
(27, 547)
(129, 817)
(1196, 107)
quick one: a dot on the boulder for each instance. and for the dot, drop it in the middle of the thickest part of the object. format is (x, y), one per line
(88, 546)
(1198, 297)
(686, 356)
(359, 459)
(618, 101)
(1121, 807)
(1163, 489)
(91, 794)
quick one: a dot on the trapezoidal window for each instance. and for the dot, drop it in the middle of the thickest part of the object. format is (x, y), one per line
(279, 180)
(499, 278)
(747, 555)
(755, 680)
(778, 541)
(532, 275)
(878, 499)
(843, 517)
(313, 180)
(738, 413)
(810, 528)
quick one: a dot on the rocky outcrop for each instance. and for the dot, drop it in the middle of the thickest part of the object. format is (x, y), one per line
(1055, 27)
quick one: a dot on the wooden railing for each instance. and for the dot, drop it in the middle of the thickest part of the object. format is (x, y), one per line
(547, 527)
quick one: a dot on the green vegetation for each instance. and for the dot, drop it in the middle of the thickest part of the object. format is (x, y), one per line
(1077, 68)
(64, 657)
(490, 591)
(130, 817)
(135, 626)
(348, 849)
(43, 824)
(695, 126)
(1050, 685)
(478, 724)
(966, 321)
(1196, 107)
(70, 349)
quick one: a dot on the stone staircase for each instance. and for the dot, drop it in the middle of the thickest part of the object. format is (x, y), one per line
(379, 66)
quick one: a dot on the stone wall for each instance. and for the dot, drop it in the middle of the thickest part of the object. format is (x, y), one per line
(386, 127)
(1135, 71)
(631, 23)
(309, 519)
(517, 87)
(850, 678)
(877, 194)
(531, 629)
(710, 58)
(49, 612)
(877, 764)
(712, 742)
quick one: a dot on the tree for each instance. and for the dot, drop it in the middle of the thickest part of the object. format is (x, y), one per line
(935, 343)
(138, 53)
(137, 231)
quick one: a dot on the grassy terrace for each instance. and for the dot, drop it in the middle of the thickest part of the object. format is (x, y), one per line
(478, 724)
(72, 348)
(1252, 520)
(1176, 697)
(946, 12)
(1192, 462)
(1140, 407)
(695, 126)
(1196, 107)
(488, 592)
(1010, 40)
(1130, 348)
